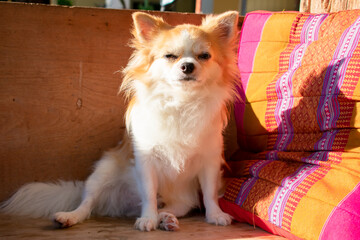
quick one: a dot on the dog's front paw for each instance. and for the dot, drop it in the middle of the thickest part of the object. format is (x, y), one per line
(168, 222)
(219, 218)
(65, 219)
(145, 224)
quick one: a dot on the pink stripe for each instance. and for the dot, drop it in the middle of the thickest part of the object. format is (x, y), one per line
(249, 41)
(344, 220)
(250, 37)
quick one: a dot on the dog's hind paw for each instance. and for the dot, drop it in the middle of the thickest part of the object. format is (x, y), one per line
(168, 222)
(219, 218)
(145, 224)
(65, 219)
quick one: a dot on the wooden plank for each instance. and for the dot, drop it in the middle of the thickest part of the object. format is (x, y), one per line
(320, 6)
(191, 227)
(198, 6)
(59, 108)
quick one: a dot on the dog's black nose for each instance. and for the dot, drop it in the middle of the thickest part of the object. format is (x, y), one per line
(187, 67)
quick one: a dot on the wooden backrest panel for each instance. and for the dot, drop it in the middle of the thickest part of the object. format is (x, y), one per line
(59, 108)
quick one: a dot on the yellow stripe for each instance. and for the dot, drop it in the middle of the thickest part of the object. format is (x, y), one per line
(274, 40)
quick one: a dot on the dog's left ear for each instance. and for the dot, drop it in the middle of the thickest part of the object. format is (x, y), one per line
(146, 25)
(224, 25)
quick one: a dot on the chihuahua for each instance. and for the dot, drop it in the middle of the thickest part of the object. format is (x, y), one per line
(179, 82)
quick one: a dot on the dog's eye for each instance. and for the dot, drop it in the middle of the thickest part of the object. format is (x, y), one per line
(171, 56)
(204, 56)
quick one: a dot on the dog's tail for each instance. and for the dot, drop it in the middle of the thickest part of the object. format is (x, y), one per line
(42, 200)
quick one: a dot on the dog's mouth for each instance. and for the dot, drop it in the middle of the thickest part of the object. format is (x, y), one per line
(188, 78)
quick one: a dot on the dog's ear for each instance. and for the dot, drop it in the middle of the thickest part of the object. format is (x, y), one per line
(223, 25)
(145, 25)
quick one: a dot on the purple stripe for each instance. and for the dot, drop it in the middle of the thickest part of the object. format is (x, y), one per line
(311, 27)
(283, 87)
(288, 185)
(244, 190)
(248, 184)
(328, 110)
(272, 155)
(316, 157)
(282, 113)
(326, 141)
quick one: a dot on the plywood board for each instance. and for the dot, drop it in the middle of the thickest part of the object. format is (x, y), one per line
(59, 107)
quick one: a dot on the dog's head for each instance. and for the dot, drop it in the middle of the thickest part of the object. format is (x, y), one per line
(185, 57)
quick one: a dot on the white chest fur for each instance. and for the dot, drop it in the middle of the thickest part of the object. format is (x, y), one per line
(173, 131)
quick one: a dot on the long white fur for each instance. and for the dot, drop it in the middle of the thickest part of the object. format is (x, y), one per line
(68, 198)
(176, 141)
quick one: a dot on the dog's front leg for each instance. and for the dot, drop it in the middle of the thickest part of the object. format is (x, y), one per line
(147, 183)
(209, 177)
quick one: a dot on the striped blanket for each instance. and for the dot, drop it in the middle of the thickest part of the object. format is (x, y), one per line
(298, 167)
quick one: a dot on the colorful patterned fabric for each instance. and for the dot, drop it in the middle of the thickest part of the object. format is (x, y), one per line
(298, 170)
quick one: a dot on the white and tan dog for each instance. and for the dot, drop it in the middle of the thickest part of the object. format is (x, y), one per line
(179, 82)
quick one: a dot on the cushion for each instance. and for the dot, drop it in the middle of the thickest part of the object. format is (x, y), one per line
(297, 173)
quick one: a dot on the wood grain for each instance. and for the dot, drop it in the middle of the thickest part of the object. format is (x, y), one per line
(193, 227)
(328, 6)
(59, 108)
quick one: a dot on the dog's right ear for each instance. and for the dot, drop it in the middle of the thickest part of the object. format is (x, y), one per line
(223, 25)
(146, 25)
